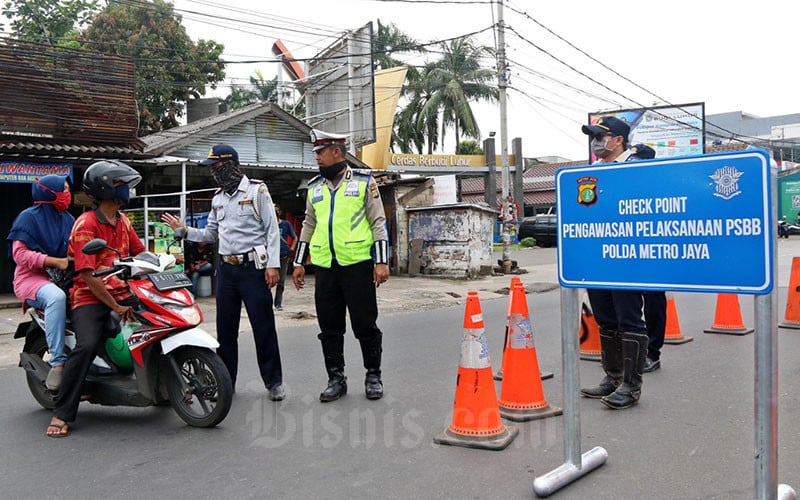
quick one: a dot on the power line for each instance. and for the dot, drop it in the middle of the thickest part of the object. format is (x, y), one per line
(733, 135)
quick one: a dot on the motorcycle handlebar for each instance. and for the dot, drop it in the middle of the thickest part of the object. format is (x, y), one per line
(110, 270)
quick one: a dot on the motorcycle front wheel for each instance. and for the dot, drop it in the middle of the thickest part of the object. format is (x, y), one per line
(203, 394)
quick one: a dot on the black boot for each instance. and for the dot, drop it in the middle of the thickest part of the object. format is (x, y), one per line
(371, 352)
(634, 352)
(333, 352)
(611, 358)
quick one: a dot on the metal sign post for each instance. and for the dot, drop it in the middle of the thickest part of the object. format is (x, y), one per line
(670, 225)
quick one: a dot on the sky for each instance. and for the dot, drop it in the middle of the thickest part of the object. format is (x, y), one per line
(733, 56)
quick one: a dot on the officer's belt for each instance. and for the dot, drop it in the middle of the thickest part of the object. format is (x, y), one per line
(239, 258)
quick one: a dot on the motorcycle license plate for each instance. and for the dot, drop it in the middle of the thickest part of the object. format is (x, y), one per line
(169, 281)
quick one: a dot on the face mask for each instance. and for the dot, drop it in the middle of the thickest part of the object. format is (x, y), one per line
(122, 194)
(600, 146)
(62, 201)
(331, 172)
(227, 176)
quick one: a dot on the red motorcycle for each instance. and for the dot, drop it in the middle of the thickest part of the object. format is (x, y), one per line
(164, 357)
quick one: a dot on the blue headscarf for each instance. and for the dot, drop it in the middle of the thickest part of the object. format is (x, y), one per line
(41, 227)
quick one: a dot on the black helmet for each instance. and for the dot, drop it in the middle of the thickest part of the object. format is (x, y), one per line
(99, 178)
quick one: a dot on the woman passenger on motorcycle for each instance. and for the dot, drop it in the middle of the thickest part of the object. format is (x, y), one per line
(39, 240)
(93, 298)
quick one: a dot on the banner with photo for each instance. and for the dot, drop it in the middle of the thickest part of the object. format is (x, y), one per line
(677, 130)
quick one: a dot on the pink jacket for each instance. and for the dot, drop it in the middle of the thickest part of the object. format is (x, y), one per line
(30, 274)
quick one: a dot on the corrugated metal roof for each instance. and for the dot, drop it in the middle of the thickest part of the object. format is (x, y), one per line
(262, 134)
(69, 150)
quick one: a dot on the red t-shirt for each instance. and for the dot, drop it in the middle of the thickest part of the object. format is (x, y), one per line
(121, 236)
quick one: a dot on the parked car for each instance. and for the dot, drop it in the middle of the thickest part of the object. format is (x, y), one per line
(541, 227)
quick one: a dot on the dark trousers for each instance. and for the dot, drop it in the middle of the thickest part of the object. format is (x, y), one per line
(655, 315)
(280, 286)
(618, 310)
(351, 287)
(89, 323)
(245, 283)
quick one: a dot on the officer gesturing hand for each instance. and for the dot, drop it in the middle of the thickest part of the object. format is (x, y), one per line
(172, 221)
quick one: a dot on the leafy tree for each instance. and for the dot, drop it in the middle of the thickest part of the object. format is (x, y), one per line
(469, 148)
(47, 21)
(170, 67)
(456, 80)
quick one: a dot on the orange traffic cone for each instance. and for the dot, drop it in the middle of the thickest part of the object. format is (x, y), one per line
(589, 335)
(521, 395)
(476, 418)
(791, 318)
(673, 334)
(514, 281)
(499, 375)
(728, 317)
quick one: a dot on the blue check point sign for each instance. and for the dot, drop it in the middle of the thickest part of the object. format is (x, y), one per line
(697, 223)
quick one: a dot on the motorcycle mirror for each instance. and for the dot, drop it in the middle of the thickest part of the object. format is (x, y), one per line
(180, 234)
(94, 246)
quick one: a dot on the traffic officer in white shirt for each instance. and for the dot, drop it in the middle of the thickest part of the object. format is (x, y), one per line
(344, 232)
(242, 219)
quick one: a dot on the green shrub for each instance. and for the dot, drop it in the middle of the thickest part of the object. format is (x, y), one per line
(528, 242)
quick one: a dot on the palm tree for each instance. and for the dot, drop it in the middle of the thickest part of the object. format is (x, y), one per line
(388, 42)
(454, 81)
(417, 125)
(259, 90)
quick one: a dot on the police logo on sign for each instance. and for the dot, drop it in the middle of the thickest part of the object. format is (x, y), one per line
(587, 190)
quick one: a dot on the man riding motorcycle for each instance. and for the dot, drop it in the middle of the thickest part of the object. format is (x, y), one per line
(108, 182)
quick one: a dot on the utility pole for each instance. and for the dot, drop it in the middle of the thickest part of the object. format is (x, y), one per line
(507, 203)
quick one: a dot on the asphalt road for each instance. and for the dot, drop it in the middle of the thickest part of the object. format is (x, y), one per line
(691, 436)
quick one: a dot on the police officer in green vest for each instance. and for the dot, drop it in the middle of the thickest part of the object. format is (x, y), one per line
(344, 232)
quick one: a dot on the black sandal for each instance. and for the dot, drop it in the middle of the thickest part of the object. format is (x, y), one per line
(60, 433)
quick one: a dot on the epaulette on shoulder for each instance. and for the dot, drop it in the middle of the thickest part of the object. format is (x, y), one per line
(256, 181)
(362, 172)
(315, 180)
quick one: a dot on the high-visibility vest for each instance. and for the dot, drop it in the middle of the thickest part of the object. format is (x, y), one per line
(342, 231)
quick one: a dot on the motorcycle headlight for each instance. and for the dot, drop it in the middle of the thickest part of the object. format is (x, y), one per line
(189, 313)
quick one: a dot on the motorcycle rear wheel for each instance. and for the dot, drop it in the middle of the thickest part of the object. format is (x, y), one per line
(209, 389)
(42, 395)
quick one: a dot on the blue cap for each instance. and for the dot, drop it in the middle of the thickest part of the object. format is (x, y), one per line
(608, 125)
(220, 152)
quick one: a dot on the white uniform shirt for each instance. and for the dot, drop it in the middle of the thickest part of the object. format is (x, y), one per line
(239, 226)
